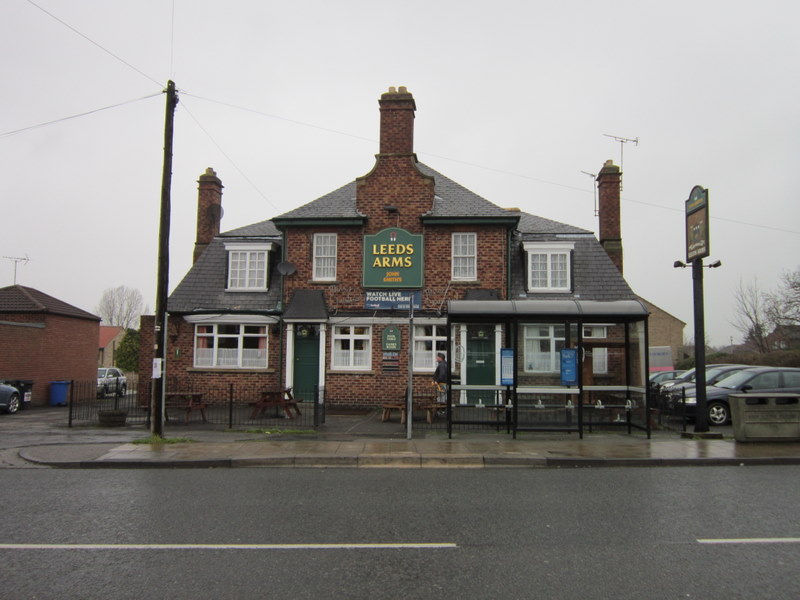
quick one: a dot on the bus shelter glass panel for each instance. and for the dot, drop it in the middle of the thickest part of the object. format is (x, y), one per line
(612, 371)
(542, 402)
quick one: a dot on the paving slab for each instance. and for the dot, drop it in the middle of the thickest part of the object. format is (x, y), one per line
(365, 442)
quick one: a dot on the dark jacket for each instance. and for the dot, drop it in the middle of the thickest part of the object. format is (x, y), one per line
(441, 372)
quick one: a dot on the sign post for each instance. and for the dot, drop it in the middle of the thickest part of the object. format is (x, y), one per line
(697, 248)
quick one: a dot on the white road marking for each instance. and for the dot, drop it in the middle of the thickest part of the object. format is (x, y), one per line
(787, 540)
(408, 546)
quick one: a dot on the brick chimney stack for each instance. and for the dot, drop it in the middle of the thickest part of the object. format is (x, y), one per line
(397, 121)
(610, 229)
(209, 210)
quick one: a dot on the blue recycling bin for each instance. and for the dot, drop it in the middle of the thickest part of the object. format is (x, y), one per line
(58, 393)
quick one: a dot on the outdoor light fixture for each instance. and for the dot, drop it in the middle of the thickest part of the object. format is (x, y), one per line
(679, 264)
(390, 209)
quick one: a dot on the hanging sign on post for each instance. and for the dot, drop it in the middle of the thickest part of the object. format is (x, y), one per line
(697, 242)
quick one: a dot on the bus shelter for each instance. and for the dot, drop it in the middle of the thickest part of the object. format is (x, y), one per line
(548, 365)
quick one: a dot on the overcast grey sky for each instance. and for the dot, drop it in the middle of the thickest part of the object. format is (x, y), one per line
(513, 101)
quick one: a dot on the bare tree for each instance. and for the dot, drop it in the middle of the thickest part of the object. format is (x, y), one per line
(121, 306)
(784, 304)
(752, 316)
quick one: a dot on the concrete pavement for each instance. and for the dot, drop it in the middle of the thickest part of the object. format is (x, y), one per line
(362, 441)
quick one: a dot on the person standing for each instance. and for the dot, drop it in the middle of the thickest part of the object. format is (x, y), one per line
(440, 376)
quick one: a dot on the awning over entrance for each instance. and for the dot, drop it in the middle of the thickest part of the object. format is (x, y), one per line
(568, 308)
(306, 305)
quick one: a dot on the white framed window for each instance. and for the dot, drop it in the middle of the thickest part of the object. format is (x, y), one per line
(599, 355)
(230, 345)
(324, 257)
(248, 267)
(549, 266)
(352, 347)
(464, 256)
(428, 341)
(543, 344)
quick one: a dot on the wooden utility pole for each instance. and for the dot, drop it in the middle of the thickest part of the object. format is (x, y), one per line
(162, 284)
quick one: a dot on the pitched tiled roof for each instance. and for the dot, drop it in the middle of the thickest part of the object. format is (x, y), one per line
(594, 276)
(107, 334)
(21, 299)
(450, 200)
(338, 204)
(533, 224)
(203, 287)
(260, 229)
(454, 200)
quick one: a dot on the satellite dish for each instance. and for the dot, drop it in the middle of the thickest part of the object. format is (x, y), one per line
(215, 211)
(286, 268)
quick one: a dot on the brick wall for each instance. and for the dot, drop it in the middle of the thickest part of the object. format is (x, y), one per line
(610, 234)
(214, 383)
(64, 349)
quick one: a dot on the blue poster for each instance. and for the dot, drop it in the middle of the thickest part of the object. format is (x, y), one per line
(506, 366)
(569, 366)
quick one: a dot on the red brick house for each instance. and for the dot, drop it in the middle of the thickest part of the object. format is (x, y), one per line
(44, 339)
(110, 338)
(322, 295)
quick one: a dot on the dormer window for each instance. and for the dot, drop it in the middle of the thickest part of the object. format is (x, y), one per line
(248, 267)
(549, 266)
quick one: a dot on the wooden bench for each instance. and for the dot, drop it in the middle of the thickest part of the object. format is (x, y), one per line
(188, 401)
(281, 399)
(388, 408)
(425, 403)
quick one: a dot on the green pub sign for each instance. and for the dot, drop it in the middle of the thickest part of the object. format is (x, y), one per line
(393, 258)
(391, 339)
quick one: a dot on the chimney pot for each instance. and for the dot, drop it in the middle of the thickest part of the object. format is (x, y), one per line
(209, 210)
(397, 121)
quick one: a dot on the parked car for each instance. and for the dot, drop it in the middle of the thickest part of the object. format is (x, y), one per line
(10, 398)
(659, 376)
(713, 375)
(688, 376)
(109, 380)
(757, 379)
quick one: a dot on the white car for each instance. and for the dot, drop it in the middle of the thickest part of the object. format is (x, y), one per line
(111, 380)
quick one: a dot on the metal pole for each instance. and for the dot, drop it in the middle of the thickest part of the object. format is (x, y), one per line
(410, 387)
(162, 284)
(701, 410)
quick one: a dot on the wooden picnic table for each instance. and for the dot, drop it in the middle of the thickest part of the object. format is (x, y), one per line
(281, 399)
(424, 402)
(185, 400)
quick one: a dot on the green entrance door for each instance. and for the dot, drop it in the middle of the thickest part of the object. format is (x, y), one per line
(480, 362)
(306, 362)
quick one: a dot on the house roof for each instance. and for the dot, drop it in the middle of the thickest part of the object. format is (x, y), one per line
(203, 287)
(594, 275)
(307, 305)
(107, 334)
(450, 200)
(21, 299)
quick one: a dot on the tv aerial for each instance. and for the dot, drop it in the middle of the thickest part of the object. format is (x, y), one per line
(594, 189)
(16, 260)
(622, 141)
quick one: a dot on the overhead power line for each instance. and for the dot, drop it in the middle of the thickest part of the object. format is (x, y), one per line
(271, 116)
(226, 155)
(91, 41)
(83, 114)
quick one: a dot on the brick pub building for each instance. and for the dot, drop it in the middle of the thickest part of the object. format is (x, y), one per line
(323, 296)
